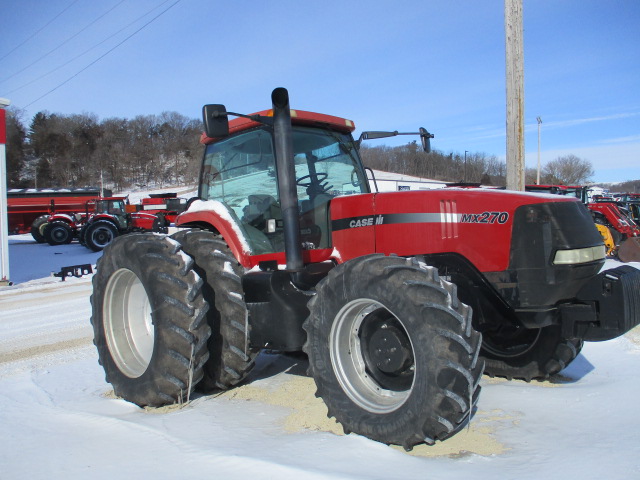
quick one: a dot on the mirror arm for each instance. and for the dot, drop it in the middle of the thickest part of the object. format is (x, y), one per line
(256, 118)
(424, 136)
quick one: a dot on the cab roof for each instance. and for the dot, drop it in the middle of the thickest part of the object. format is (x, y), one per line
(298, 117)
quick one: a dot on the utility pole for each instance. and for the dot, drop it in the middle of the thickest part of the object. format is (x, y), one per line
(4, 230)
(465, 165)
(515, 94)
(539, 123)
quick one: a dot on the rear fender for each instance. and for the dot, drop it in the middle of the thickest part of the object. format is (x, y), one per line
(62, 217)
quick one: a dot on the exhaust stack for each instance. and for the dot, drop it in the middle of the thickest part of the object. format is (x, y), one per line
(283, 139)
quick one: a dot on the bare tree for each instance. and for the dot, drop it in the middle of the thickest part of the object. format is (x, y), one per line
(568, 170)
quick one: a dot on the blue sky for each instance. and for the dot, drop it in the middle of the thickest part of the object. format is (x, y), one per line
(386, 65)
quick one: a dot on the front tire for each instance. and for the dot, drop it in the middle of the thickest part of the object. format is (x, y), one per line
(528, 354)
(58, 233)
(149, 320)
(37, 228)
(392, 351)
(99, 234)
(230, 357)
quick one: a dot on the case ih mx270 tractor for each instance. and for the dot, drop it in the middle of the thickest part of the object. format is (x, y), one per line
(400, 300)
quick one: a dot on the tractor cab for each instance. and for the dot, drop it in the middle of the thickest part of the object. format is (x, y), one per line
(240, 173)
(115, 208)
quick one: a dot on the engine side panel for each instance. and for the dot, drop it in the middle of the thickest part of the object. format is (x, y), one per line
(474, 223)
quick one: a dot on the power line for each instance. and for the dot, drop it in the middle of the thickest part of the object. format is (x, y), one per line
(109, 37)
(104, 54)
(63, 43)
(38, 31)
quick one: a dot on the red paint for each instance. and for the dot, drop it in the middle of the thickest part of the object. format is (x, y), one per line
(486, 245)
(3, 126)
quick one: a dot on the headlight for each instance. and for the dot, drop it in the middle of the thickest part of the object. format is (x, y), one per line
(579, 255)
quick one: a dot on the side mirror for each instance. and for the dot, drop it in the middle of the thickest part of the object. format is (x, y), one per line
(425, 139)
(216, 122)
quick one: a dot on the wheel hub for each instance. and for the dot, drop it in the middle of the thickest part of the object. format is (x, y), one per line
(59, 234)
(387, 351)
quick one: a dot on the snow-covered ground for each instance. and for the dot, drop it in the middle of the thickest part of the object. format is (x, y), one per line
(60, 419)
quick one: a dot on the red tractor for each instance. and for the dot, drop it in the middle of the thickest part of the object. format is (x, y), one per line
(107, 217)
(62, 228)
(165, 206)
(400, 300)
(113, 217)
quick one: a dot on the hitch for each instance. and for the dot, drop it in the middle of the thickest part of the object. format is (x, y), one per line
(74, 271)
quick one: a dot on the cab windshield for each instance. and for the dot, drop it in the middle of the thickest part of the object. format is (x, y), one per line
(240, 172)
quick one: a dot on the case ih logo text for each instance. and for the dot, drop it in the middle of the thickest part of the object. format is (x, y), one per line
(366, 221)
(485, 217)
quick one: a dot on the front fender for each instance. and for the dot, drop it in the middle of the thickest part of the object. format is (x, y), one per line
(217, 216)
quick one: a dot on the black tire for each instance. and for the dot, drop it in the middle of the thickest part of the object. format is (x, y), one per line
(528, 354)
(230, 358)
(81, 234)
(618, 237)
(58, 233)
(424, 390)
(37, 228)
(99, 234)
(149, 320)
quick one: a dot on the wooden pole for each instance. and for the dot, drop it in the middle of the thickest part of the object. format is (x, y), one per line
(515, 94)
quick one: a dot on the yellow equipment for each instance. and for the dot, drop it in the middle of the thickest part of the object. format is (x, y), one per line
(608, 239)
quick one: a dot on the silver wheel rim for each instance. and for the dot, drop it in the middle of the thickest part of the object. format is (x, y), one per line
(102, 236)
(349, 363)
(128, 326)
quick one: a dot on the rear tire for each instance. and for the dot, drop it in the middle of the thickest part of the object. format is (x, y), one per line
(230, 357)
(392, 351)
(528, 354)
(149, 320)
(58, 233)
(37, 228)
(99, 234)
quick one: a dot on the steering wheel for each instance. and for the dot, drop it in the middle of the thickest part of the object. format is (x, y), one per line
(319, 176)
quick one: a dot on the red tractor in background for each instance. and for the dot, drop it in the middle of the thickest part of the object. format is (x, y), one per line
(613, 219)
(401, 300)
(108, 217)
(621, 218)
